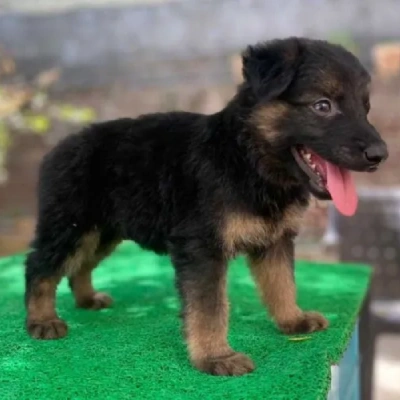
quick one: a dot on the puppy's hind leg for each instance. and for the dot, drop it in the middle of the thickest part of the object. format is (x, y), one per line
(80, 281)
(42, 320)
(53, 257)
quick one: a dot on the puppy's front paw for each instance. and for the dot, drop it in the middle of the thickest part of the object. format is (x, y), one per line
(47, 329)
(307, 322)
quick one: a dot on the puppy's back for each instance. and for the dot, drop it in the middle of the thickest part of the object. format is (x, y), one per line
(118, 171)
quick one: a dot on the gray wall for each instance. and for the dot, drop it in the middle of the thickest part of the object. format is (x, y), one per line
(46, 6)
(138, 43)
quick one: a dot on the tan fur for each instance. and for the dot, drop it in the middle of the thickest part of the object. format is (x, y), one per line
(84, 253)
(331, 84)
(266, 117)
(81, 281)
(206, 323)
(274, 277)
(41, 301)
(81, 284)
(241, 230)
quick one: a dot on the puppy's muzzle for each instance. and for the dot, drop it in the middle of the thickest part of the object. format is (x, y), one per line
(375, 154)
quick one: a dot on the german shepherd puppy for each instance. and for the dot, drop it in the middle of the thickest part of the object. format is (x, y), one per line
(204, 188)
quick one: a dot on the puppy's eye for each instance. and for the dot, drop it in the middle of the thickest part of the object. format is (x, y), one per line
(322, 107)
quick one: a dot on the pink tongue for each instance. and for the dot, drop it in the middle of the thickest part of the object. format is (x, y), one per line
(342, 189)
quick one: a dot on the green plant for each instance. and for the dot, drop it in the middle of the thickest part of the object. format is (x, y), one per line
(26, 107)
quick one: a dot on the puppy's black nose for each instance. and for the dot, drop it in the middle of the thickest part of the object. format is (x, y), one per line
(376, 153)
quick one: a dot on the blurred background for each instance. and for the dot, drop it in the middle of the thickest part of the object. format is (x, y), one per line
(66, 63)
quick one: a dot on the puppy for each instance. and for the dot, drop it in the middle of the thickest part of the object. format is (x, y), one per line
(205, 188)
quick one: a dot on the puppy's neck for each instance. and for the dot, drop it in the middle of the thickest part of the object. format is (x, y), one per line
(249, 165)
(238, 131)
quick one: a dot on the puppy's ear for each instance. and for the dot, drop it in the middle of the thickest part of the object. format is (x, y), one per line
(269, 68)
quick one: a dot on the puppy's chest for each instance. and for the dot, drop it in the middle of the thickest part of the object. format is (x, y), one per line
(243, 231)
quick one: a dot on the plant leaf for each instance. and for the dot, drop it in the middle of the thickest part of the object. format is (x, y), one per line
(299, 338)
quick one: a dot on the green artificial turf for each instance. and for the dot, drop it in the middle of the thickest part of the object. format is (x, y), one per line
(135, 350)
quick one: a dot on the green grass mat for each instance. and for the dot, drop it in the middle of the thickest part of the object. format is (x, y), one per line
(135, 350)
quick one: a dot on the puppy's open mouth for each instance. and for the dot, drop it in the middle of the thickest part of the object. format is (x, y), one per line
(327, 179)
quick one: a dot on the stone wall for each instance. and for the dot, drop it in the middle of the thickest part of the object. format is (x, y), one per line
(142, 43)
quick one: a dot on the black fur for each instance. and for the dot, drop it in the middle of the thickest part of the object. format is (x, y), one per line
(167, 181)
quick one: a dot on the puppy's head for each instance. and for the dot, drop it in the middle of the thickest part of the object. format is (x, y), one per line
(311, 101)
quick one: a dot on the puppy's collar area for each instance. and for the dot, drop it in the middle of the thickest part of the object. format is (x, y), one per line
(327, 178)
